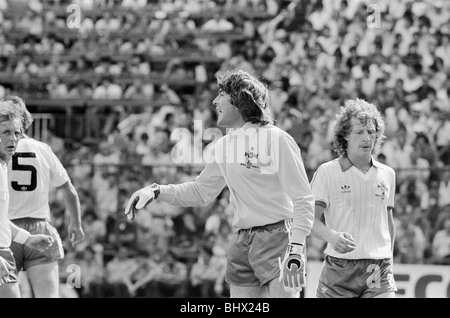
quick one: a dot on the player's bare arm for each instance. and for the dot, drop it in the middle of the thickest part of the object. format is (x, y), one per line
(391, 226)
(72, 201)
(341, 242)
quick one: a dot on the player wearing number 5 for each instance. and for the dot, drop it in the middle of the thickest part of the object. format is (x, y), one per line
(10, 135)
(31, 171)
(355, 194)
(269, 191)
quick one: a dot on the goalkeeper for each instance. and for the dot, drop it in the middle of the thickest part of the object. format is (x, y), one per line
(269, 190)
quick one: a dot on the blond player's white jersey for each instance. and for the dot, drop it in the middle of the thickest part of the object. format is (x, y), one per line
(357, 203)
(5, 229)
(31, 171)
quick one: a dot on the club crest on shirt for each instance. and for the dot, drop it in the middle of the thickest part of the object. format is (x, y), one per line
(250, 159)
(383, 189)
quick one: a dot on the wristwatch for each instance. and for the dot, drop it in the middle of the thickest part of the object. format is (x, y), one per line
(156, 190)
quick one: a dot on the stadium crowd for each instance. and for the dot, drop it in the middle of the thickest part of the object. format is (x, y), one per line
(312, 54)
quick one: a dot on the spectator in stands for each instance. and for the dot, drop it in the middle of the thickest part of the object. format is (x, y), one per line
(139, 90)
(138, 66)
(444, 189)
(81, 89)
(425, 149)
(103, 181)
(90, 260)
(118, 271)
(94, 230)
(443, 140)
(172, 278)
(217, 23)
(410, 242)
(108, 89)
(6, 49)
(57, 89)
(26, 66)
(413, 80)
(398, 149)
(107, 23)
(441, 245)
(207, 274)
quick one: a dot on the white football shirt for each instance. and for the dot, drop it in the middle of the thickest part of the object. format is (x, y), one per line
(5, 229)
(357, 203)
(31, 171)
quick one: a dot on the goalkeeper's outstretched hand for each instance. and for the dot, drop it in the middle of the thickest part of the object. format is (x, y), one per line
(140, 199)
(292, 270)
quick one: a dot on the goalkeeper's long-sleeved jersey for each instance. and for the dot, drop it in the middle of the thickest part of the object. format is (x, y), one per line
(266, 177)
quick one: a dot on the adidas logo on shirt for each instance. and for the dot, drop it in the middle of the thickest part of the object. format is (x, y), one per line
(345, 189)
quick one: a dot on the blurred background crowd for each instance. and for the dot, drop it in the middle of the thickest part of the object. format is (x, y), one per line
(110, 81)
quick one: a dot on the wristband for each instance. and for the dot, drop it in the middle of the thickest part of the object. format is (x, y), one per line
(295, 248)
(156, 190)
(22, 236)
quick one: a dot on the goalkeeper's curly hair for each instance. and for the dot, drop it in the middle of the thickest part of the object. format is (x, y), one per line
(19, 104)
(249, 95)
(363, 111)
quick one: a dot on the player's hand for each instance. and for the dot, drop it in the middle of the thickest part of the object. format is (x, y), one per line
(292, 271)
(140, 199)
(76, 234)
(343, 242)
(218, 289)
(40, 242)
